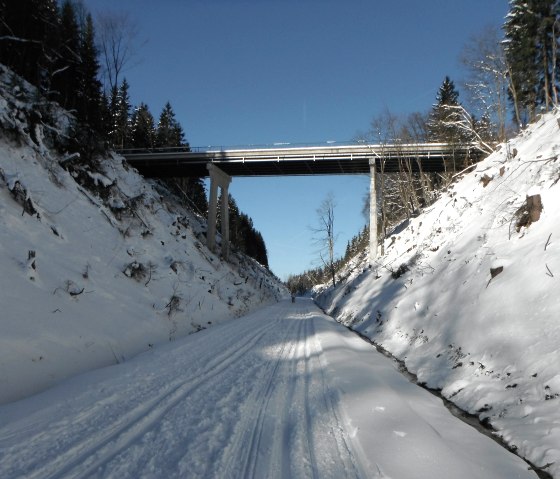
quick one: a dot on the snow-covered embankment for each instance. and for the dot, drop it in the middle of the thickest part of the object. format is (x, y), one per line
(97, 264)
(468, 293)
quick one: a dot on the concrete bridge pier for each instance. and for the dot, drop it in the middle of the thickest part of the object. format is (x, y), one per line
(218, 179)
(372, 213)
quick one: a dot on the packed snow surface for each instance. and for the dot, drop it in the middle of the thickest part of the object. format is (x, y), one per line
(468, 293)
(283, 392)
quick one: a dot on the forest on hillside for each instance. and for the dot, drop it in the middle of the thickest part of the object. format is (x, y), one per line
(79, 62)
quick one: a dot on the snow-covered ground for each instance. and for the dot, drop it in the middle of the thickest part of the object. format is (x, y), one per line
(477, 314)
(97, 264)
(100, 267)
(284, 392)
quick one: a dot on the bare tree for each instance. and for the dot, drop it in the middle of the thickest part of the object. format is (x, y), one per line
(403, 190)
(488, 80)
(464, 123)
(324, 235)
(117, 36)
(397, 195)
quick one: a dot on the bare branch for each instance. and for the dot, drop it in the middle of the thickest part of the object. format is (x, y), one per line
(117, 34)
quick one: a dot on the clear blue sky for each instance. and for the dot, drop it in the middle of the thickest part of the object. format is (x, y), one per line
(250, 72)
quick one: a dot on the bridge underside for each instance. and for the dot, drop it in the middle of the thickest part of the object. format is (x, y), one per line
(300, 161)
(167, 168)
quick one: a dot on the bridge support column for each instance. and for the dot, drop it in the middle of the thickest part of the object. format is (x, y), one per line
(218, 179)
(372, 213)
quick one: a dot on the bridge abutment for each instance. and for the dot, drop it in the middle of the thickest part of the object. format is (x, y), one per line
(218, 179)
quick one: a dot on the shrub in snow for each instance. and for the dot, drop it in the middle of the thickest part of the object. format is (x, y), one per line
(402, 269)
(135, 270)
(20, 195)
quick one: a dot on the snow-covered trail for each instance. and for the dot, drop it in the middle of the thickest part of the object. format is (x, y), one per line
(285, 392)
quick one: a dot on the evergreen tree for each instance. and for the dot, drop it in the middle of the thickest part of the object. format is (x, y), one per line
(112, 115)
(90, 104)
(119, 112)
(532, 35)
(170, 134)
(143, 129)
(242, 233)
(485, 129)
(104, 125)
(29, 39)
(261, 254)
(443, 119)
(169, 131)
(194, 188)
(66, 79)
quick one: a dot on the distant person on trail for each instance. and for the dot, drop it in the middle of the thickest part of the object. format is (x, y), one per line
(293, 298)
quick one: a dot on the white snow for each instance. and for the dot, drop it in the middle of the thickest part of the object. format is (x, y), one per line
(75, 305)
(283, 392)
(491, 344)
(101, 272)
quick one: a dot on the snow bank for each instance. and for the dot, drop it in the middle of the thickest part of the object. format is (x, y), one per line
(97, 264)
(477, 314)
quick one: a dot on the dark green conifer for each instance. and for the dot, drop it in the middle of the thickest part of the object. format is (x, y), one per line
(90, 102)
(442, 121)
(531, 35)
(143, 129)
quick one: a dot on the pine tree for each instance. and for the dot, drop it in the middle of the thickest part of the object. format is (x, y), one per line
(112, 116)
(445, 115)
(143, 129)
(66, 79)
(243, 234)
(119, 112)
(531, 35)
(29, 32)
(197, 194)
(485, 129)
(170, 134)
(90, 102)
(169, 131)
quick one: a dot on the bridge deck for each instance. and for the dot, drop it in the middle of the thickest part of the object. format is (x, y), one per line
(323, 160)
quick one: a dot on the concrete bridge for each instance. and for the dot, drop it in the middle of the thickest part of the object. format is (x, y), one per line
(283, 160)
(298, 160)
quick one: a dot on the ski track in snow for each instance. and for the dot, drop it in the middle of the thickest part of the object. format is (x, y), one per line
(257, 397)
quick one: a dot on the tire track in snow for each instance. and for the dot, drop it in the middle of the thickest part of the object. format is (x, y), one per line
(290, 457)
(83, 458)
(251, 436)
(267, 411)
(336, 446)
(307, 396)
(279, 461)
(295, 410)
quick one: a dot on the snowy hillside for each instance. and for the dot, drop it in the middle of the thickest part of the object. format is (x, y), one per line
(96, 263)
(468, 293)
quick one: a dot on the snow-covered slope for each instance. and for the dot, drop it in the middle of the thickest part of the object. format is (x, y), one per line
(97, 264)
(468, 293)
